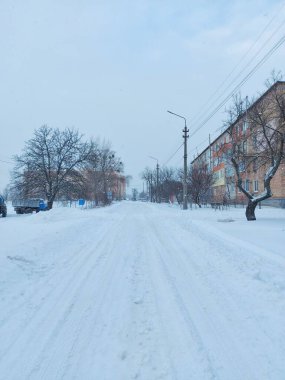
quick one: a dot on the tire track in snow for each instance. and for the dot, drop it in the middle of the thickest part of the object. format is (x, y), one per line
(238, 290)
(151, 345)
(45, 311)
(196, 349)
(109, 280)
(45, 285)
(153, 278)
(126, 316)
(94, 290)
(198, 317)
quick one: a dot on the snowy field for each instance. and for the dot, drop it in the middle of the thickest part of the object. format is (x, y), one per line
(142, 291)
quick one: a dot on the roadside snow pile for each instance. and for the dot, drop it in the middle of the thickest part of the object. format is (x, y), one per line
(266, 233)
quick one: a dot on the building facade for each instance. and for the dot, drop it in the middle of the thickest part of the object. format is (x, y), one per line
(243, 136)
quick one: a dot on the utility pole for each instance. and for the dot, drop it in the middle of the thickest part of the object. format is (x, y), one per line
(157, 198)
(210, 166)
(210, 153)
(185, 137)
(157, 184)
(150, 188)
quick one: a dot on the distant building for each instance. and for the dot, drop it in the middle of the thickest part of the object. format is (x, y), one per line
(104, 186)
(119, 186)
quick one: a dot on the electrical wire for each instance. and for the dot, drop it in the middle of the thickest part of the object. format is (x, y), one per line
(208, 104)
(242, 82)
(173, 154)
(249, 63)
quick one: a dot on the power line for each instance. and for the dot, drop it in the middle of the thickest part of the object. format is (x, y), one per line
(242, 82)
(249, 63)
(245, 79)
(170, 158)
(208, 104)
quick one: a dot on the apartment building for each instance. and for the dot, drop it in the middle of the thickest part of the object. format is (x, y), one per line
(243, 136)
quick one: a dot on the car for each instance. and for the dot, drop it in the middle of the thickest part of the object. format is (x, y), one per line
(3, 207)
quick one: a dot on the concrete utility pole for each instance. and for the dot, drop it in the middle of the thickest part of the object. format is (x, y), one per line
(150, 188)
(157, 183)
(185, 137)
(157, 197)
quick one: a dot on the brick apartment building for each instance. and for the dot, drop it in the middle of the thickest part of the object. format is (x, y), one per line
(216, 158)
(102, 186)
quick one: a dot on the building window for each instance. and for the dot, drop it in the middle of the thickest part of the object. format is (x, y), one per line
(229, 171)
(247, 185)
(239, 149)
(254, 141)
(241, 166)
(256, 186)
(244, 147)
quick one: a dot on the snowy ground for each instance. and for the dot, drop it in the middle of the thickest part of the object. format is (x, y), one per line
(141, 291)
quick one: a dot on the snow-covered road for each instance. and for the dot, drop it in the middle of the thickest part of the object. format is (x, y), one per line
(137, 291)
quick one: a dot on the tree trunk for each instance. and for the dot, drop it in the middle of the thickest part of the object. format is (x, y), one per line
(50, 204)
(250, 210)
(197, 201)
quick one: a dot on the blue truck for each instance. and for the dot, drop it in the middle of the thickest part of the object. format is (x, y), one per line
(26, 206)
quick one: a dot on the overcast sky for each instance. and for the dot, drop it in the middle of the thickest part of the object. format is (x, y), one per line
(113, 68)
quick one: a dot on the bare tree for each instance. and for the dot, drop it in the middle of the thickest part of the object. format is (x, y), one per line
(257, 140)
(200, 181)
(171, 185)
(103, 173)
(148, 176)
(50, 164)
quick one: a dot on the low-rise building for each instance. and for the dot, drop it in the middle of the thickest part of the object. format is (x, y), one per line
(242, 135)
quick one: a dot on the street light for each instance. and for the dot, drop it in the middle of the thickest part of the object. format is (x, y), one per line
(157, 177)
(119, 179)
(185, 137)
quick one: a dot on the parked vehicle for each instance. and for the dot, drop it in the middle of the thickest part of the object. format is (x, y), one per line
(3, 207)
(26, 206)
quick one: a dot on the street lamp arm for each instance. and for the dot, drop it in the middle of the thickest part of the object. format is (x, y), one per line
(153, 158)
(182, 117)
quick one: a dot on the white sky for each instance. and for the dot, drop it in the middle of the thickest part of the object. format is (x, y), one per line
(112, 69)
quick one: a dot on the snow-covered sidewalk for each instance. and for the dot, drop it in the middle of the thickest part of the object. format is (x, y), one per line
(142, 291)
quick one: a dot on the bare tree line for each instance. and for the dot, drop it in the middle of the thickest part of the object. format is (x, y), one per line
(170, 184)
(58, 164)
